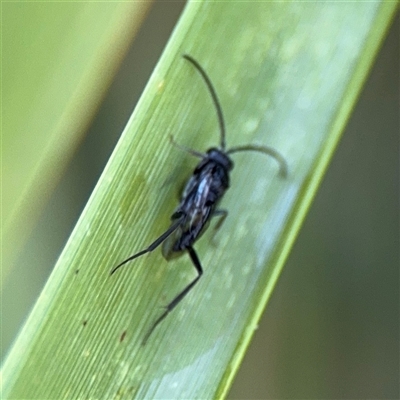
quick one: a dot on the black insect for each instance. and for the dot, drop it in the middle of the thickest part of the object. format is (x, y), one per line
(199, 200)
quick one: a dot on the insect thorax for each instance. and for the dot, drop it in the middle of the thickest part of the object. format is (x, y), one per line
(202, 193)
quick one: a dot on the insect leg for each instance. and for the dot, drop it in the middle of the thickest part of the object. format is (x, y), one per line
(155, 244)
(222, 213)
(187, 149)
(180, 296)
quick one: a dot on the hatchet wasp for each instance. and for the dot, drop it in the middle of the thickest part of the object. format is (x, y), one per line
(200, 199)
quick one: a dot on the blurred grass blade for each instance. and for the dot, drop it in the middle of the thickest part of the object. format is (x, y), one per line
(287, 75)
(57, 61)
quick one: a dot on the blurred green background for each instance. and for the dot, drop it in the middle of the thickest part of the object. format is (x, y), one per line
(331, 329)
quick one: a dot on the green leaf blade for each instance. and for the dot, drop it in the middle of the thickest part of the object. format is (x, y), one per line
(287, 77)
(57, 61)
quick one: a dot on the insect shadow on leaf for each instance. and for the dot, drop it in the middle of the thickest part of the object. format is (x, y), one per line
(200, 198)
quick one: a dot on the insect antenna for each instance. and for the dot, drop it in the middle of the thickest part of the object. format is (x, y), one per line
(283, 167)
(213, 95)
